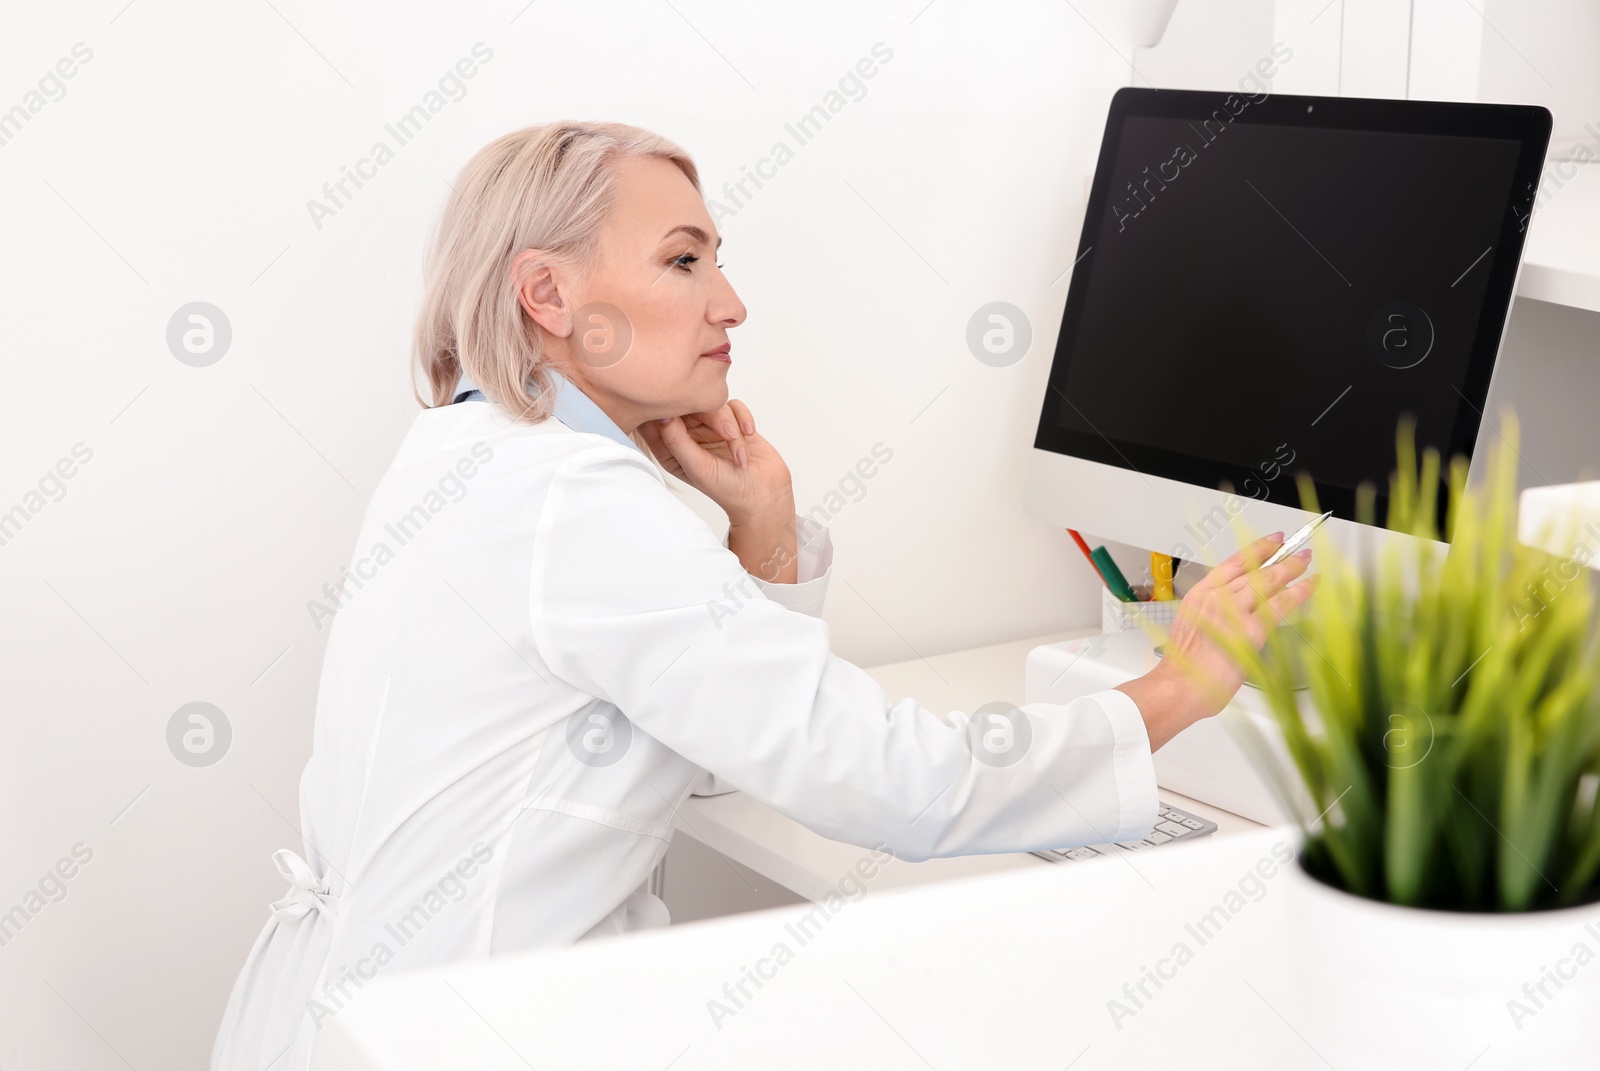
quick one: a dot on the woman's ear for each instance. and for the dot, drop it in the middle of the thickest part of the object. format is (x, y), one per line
(539, 285)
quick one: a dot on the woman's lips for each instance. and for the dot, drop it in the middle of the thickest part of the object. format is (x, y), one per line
(719, 355)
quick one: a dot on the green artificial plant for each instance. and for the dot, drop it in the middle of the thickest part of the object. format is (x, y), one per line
(1450, 758)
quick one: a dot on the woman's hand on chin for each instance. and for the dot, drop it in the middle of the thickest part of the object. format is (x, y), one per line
(721, 455)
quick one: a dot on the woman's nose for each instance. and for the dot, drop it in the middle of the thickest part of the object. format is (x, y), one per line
(726, 310)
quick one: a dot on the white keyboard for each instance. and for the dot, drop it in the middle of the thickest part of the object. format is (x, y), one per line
(1171, 824)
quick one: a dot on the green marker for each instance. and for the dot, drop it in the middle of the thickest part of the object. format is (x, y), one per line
(1113, 576)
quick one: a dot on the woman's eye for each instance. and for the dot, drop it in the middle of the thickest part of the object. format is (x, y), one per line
(687, 259)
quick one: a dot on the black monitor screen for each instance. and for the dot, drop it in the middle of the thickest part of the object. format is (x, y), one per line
(1264, 291)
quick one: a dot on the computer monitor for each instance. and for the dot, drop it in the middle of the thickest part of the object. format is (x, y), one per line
(1263, 286)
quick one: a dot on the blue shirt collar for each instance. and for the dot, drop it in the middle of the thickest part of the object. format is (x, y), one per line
(573, 408)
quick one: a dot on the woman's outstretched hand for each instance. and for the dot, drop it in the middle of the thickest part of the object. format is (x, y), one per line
(721, 455)
(1196, 677)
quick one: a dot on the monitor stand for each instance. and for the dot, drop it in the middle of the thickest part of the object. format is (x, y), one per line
(1211, 761)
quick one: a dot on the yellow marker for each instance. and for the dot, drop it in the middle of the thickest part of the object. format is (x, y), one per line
(1161, 573)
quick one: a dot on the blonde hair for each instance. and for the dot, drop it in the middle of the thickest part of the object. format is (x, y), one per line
(543, 187)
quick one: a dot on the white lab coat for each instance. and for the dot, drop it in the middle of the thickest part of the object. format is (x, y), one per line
(547, 653)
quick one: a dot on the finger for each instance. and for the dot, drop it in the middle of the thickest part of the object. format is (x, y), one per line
(1248, 557)
(728, 422)
(651, 431)
(708, 438)
(1275, 611)
(705, 434)
(696, 461)
(1259, 585)
(717, 422)
(742, 414)
(703, 427)
(1290, 599)
(725, 424)
(1238, 615)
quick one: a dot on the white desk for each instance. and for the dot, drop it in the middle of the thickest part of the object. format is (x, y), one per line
(1016, 967)
(1008, 970)
(779, 848)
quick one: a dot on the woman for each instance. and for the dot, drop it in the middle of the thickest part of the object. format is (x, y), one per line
(543, 652)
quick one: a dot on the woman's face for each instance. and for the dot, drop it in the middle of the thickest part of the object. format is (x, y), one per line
(653, 304)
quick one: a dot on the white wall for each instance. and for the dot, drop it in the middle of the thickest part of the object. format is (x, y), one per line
(1545, 52)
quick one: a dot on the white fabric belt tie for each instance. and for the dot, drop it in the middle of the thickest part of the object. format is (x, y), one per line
(307, 892)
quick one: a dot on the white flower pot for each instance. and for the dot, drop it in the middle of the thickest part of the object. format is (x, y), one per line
(1385, 987)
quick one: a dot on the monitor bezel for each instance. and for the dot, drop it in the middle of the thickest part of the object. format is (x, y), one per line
(1528, 124)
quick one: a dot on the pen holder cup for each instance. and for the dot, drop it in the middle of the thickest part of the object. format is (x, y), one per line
(1118, 616)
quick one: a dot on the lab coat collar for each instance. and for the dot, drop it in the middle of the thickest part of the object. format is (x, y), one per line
(573, 408)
